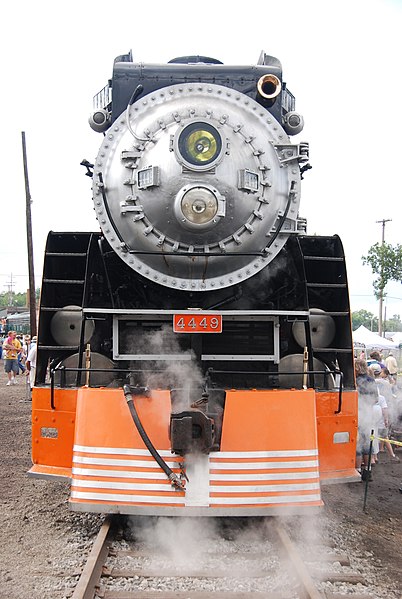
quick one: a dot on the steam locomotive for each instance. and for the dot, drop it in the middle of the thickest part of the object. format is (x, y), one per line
(195, 354)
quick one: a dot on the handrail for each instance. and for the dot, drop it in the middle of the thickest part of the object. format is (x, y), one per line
(63, 370)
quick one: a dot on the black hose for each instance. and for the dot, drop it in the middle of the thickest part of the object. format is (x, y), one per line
(174, 479)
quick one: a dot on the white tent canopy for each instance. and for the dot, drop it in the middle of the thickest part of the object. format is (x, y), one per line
(371, 340)
(397, 338)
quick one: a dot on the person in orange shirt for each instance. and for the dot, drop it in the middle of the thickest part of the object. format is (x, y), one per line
(12, 348)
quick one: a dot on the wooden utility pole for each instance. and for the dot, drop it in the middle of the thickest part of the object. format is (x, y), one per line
(383, 221)
(32, 298)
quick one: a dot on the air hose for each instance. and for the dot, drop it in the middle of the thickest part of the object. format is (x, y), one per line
(174, 479)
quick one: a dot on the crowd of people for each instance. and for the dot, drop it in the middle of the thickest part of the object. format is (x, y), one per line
(19, 355)
(379, 412)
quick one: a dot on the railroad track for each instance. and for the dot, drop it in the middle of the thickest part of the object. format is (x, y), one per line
(274, 569)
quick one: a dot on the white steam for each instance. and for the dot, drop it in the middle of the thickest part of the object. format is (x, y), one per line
(181, 372)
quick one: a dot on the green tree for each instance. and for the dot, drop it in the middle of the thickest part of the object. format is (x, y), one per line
(19, 300)
(393, 324)
(8, 299)
(365, 318)
(386, 262)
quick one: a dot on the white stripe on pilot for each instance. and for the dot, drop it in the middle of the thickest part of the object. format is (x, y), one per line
(127, 498)
(257, 477)
(213, 465)
(77, 459)
(119, 473)
(120, 486)
(215, 477)
(264, 488)
(262, 465)
(120, 451)
(294, 453)
(283, 453)
(224, 501)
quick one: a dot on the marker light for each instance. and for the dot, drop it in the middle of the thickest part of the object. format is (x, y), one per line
(148, 177)
(248, 180)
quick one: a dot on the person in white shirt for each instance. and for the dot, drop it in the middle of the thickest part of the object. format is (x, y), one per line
(382, 424)
(31, 364)
(392, 365)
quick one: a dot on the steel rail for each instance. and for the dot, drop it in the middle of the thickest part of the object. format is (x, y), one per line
(90, 577)
(308, 587)
(90, 586)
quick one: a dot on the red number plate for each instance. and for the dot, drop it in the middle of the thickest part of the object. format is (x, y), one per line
(197, 323)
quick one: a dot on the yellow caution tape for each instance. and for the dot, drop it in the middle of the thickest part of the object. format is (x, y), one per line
(372, 437)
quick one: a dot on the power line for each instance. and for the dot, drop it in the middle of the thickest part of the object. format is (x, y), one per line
(372, 296)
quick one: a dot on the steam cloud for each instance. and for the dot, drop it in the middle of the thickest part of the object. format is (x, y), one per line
(183, 373)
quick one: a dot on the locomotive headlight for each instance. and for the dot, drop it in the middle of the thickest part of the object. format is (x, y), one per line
(199, 206)
(199, 146)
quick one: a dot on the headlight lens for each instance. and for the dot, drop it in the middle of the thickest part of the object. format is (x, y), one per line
(199, 205)
(199, 144)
